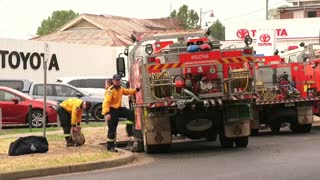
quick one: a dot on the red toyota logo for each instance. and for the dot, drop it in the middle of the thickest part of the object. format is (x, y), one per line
(241, 33)
(264, 38)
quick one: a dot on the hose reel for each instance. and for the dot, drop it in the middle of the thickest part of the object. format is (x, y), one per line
(161, 85)
(240, 80)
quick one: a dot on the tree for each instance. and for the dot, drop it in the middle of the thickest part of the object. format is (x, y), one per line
(218, 30)
(173, 14)
(57, 19)
(188, 18)
(275, 12)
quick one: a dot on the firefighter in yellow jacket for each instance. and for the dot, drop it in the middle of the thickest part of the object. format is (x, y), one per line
(112, 110)
(70, 115)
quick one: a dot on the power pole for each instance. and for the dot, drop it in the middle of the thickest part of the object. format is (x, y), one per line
(200, 18)
(267, 9)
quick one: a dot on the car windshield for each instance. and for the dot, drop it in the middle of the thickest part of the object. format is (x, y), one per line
(21, 94)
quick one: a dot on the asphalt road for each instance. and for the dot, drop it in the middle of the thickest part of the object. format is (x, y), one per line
(284, 156)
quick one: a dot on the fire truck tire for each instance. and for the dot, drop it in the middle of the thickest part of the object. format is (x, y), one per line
(224, 141)
(155, 148)
(275, 129)
(300, 128)
(279, 117)
(254, 132)
(194, 125)
(242, 141)
(212, 135)
(160, 148)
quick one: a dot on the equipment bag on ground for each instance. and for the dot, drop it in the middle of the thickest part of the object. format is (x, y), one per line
(28, 145)
(78, 137)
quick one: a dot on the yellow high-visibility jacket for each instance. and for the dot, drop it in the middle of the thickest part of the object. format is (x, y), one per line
(113, 98)
(72, 106)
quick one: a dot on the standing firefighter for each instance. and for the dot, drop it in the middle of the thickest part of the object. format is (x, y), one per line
(70, 115)
(130, 116)
(112, 110)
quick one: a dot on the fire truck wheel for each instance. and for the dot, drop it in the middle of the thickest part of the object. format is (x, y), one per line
(155, 148)
(275, 129)
(224, 141)
(300, 128)
(280, 116)
(254, 132)
(194, 125)
(212, 135)
(242, 141)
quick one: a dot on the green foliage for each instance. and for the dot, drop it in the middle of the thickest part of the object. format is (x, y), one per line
(57, 19)
(275, 13)
(218, 30)
(188, 18)
(173, 14)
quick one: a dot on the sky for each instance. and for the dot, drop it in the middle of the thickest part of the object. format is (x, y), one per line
(20, 18)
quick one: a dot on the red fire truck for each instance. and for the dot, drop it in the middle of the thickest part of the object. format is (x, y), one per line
(191, 88)
(288, 92)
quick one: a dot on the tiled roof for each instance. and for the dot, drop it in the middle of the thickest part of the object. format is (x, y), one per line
(108, 30)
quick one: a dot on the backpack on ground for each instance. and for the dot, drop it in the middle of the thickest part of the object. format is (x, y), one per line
(28, 145)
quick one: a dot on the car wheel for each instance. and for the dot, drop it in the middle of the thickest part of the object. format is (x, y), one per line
(36, 118)
(96, 113)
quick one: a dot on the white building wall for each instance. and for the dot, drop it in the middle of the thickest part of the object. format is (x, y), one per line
(288, 31)
(72, 59)
(298, 14)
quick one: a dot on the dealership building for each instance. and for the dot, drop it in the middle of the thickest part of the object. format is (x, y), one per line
(297, 23)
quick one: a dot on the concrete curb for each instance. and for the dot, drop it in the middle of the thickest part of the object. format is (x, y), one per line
(124, 158)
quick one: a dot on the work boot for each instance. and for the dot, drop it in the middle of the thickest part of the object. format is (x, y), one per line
(137, 145)
(70, 142)
(111, 147)
(114, 150)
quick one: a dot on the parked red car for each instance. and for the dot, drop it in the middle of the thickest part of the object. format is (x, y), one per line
(14, 105)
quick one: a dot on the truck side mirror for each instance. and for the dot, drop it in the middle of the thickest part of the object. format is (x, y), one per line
(121, 67)
(126, 51)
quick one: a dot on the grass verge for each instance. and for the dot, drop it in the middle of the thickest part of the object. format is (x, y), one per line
(58, 154)
(22, 130)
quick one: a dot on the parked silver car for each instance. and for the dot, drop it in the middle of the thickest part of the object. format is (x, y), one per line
(60, 92)
(22, 85)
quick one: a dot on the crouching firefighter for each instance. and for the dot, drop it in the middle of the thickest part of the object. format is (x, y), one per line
(112, 110)
(70, 114)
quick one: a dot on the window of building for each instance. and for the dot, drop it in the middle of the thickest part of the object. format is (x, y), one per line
(312, 14)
